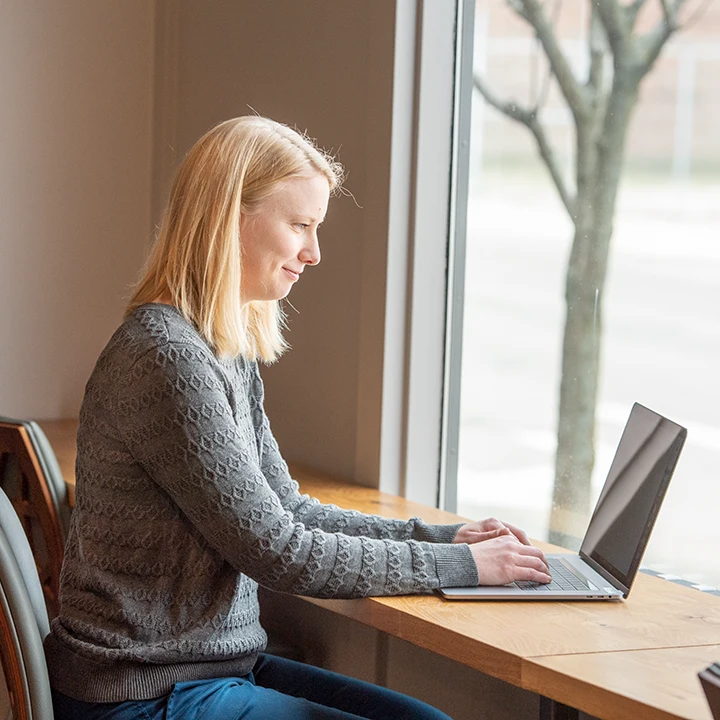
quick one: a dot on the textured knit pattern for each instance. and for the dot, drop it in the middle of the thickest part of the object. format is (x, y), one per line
(183, 505)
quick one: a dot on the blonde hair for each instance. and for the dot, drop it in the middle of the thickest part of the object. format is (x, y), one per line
(196, 261)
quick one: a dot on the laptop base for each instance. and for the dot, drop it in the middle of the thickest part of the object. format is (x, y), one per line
(600, 589)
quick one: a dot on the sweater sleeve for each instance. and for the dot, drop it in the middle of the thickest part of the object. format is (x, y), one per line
(179, 422)
(327, 517)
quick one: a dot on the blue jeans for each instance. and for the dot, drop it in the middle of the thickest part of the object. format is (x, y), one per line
(276, 689)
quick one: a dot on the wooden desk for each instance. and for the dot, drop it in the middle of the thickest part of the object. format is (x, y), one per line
(660, 683)
(634, 659)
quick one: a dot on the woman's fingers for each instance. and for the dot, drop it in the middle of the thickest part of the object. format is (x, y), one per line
(530, 551)
(492, 524)
(482, 530)
(503, 559)
(533, 575)
(533, 565)
(521, 535)
(533, 568)
(481, 536)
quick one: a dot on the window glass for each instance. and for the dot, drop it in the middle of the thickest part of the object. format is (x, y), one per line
(651, 321)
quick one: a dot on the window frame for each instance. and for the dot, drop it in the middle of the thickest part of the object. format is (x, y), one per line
(425, 276)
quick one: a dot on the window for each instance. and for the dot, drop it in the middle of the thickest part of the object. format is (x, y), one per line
(654, 316)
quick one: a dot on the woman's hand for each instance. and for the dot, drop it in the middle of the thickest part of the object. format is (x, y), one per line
(482, 530)
(504, 559)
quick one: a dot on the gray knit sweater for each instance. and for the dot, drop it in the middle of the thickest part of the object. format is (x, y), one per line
(183, 505)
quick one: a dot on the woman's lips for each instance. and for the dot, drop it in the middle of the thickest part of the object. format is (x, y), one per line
(293, 275)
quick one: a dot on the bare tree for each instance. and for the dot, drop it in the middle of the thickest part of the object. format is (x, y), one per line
(601, 105)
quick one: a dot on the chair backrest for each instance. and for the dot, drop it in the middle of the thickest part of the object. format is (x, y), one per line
(24, 479)
(710, 679)
(51, 472)
(23, 622)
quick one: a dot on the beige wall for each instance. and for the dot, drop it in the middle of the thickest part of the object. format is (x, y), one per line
(325, 67)
(99, 102)
(75, 162)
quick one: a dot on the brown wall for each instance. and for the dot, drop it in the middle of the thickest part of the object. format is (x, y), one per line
(325, 67)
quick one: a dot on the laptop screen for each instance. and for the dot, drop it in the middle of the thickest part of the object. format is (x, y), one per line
(628, 505)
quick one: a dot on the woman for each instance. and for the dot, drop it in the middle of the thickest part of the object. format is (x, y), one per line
(184, 503)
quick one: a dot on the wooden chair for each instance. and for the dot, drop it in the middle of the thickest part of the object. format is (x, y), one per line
(23, 622)
(51, 472)
(24, 476)
(710, 679)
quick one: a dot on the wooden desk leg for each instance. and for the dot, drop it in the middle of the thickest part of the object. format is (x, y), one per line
(552, 710)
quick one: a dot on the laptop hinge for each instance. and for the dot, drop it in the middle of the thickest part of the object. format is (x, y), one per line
(600, 570)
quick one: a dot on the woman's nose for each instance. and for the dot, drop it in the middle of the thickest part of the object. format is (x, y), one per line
(310, 254)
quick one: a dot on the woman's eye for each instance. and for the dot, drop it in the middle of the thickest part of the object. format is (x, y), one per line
(302, 226)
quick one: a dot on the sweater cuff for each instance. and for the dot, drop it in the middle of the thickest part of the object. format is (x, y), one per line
(455, 566)
(434, 533)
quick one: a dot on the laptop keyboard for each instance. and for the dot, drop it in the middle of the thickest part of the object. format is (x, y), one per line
(563, 579)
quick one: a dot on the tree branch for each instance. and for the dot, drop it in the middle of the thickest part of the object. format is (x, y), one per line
(598, 43)
(615, 25)
(545, 90)
(667, 12)
(631, 11)
(636, 6)
(699, 12)
(648, 46)
(532, 12)
(529, 118)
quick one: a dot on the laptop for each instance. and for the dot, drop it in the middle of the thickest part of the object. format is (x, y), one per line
(710, 680)
(620, 526)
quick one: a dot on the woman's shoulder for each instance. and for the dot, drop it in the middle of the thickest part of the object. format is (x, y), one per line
(160, 323)
(151, 329)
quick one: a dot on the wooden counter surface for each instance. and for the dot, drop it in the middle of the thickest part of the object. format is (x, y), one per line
(661, 684)
(583, 654)
(657, 614)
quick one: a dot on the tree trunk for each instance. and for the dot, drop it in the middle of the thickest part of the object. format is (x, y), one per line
(600, 150)
(575, 454)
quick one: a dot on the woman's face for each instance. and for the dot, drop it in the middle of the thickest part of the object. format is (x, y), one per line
(279, 238)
